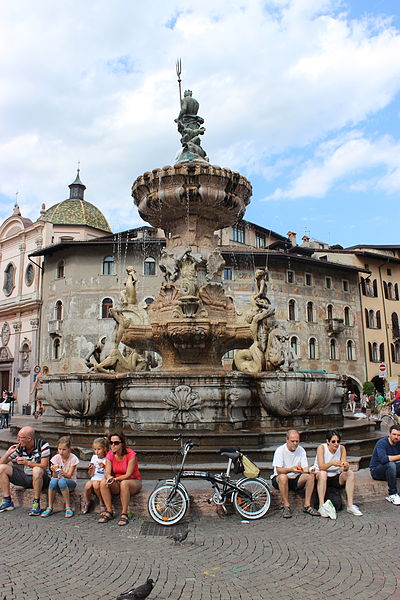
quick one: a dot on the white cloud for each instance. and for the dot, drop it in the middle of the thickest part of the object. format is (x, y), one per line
(94, 81)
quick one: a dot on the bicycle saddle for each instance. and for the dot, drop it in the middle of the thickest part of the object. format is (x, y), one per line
(230, 452)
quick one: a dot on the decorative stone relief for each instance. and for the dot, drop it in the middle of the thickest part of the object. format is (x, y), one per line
(5, 334)
(17, 327)
(184, 404)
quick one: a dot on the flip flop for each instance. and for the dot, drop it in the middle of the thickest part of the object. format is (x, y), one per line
(123, 520)
(68, 512)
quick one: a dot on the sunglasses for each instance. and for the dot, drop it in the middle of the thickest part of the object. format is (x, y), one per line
(114, 443)
(335, 442)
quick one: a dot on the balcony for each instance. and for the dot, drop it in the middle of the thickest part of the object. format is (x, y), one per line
(334, 326)
(54, 327)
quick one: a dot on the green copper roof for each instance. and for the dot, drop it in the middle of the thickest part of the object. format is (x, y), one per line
(77, 212)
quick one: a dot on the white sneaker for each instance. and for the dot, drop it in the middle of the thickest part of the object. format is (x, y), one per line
(394, 499)
(354, 510)
(323, 512)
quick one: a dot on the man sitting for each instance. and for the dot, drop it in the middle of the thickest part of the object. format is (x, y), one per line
(291, 472)
(33, 454)
(384, 465)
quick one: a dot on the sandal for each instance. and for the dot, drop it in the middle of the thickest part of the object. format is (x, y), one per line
(102, 508)
(47, 512)
(85, 508)
(68, 512)
(105, 517)
(123, 520)
(310, 510)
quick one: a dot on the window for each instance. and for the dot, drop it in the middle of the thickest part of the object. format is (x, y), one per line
(238, 234)
(108, 265)
(290, 276)
(230, 354)
(228, 274)
(60, 270)
(346, 286)
(389, 272)
(378, 319)
(260, 240)
(312, 348)
(9, 278)
(308, 279)
(395, 352)
(58, 310)
(292, 310)
(395, 325)
(310, 312)
(347, 316)
(106, 304)
(371, 319)
(350, 350)
(382, 352)
(333, 350)
(329, 312)
(373, 351)
(294, 346)
(369, 288)
(29, 275)
(149, 266)
(56, 349)
(328, 283)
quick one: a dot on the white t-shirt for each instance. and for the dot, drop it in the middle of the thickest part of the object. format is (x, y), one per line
(99, 464)
(328, 456)
(286, 459)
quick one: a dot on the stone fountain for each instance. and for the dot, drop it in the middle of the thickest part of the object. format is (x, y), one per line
(192, 323)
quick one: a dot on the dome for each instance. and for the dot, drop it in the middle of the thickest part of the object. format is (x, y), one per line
(77, 212)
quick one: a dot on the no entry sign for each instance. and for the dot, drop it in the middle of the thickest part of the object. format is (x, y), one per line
(382, 370)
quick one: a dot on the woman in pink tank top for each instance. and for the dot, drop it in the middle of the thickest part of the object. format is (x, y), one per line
(121, 477)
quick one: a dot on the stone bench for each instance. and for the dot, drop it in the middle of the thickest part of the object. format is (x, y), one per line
(366, 489)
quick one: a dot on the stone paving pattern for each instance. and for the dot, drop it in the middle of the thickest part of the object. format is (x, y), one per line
(303, 558)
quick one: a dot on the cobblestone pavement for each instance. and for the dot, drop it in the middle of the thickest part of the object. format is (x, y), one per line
(306, 558)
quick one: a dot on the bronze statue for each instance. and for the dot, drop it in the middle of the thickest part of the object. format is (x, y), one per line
(190, 128)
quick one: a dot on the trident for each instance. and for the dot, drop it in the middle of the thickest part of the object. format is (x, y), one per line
(178, 72)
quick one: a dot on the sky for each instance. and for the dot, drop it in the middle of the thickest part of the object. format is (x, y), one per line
(300, 96)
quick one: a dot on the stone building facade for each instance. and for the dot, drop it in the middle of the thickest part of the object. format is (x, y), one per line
(23, 294)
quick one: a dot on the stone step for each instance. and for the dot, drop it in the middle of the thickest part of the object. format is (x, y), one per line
(366, 489)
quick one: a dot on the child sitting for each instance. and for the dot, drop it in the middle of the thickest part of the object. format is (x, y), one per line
(96, 473)
(63, 466)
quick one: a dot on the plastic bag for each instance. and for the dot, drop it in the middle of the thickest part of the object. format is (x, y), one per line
(330, 509)
(250, 469)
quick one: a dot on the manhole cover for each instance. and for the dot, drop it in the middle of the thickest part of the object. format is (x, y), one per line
(150, 528)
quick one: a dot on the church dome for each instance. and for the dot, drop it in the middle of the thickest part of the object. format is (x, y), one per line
(77, 211)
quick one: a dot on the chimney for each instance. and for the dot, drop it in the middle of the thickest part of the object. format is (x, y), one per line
(292, 237)
(305, 239)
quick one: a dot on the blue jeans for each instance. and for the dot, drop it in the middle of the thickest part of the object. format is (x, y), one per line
(62, 484)
(387, 472)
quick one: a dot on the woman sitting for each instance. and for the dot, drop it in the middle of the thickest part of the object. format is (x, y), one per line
(122, 476)
(333, 470)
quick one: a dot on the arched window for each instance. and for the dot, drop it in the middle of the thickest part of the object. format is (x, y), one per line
(350, 350)
(312, 348)
(56, 348)
(60, 270)
(371, 319)
(9, 279)
(29, 275)
(333, 350)
(395, 325)
(58, 310)
(149, 266)
(106, 304)
(378, 319)
(366, 318)
(310, 312)
(292, 310)
(294, 346)
(382, 352)
(108, 265)
(375, 288)
(329, 312)
(395, 352)
(347, 316)
(396, 291)
(25, 357)
(373, 351)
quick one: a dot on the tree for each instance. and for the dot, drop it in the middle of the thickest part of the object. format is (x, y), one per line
(368, 388)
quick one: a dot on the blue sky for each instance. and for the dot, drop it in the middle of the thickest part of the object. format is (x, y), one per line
(300, 96)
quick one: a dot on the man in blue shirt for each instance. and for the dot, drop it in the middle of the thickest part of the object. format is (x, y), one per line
(385, 462)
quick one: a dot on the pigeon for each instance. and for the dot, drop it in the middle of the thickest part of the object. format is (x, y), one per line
(179, 537)
(139, 593)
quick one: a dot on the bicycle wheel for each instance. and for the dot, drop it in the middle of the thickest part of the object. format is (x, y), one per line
(166, 509)
(257, 505)
(386, 422)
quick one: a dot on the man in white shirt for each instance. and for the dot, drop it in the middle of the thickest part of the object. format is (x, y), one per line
(291, 472)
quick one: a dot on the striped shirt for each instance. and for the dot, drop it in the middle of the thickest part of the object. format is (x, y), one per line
(40, 450)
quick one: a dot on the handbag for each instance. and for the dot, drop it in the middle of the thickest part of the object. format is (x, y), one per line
(250, 469)
(4, 407)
